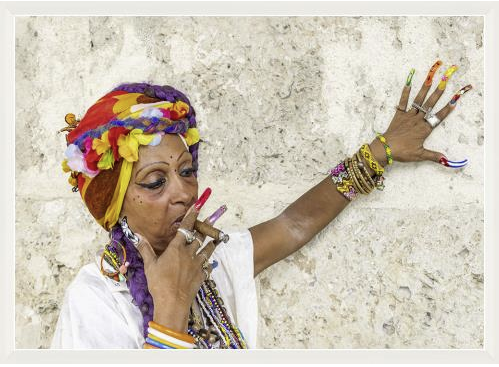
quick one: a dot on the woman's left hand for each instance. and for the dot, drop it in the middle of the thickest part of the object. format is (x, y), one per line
(409, 129)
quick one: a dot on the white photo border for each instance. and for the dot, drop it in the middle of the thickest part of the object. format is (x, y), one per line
(8, 13)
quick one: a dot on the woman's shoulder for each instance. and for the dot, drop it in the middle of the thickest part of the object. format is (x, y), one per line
(90, 285)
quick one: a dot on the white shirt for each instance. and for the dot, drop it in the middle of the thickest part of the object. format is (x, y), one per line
(98, 312)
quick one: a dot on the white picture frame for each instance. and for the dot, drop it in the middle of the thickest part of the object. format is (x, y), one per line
(489, 10)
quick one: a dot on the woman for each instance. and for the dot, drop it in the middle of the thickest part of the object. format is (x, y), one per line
(133, 158)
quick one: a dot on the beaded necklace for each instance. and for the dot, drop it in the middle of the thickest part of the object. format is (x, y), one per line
(213, 330)
(220, 331)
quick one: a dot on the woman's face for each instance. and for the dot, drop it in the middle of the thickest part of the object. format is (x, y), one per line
(162, 187)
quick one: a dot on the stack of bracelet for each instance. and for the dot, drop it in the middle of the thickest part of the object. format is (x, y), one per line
(160, 337)
(352, 177)
(217, 332)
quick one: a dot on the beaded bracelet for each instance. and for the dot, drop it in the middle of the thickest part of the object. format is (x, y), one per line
(341, 178)
(372, 162)
(351, 181)
(388, 151)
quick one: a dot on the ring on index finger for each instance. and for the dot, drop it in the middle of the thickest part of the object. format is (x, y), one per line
(189, 236)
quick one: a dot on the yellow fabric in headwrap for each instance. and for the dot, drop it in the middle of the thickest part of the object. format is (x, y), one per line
(114, 209)
(129, 150)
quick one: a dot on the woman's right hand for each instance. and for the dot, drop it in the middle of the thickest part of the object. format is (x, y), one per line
(174, 277)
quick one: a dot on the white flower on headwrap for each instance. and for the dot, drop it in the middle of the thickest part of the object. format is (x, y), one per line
(76, 161)
(157, 138)
(152, 112)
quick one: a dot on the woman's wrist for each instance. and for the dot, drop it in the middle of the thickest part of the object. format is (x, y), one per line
(172, 316)
(378, 150)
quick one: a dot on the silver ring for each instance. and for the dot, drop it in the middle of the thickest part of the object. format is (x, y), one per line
(189, 236)
(431, 118)
(400, 109)
(415, 105)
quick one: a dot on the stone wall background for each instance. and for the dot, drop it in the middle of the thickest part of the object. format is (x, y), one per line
(279, 100)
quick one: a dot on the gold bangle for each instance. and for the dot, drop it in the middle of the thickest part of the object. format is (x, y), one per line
(360, 176)
(357, 186)
(364, 168)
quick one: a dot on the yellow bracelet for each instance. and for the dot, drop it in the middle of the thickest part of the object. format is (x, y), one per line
(388, 151)
(373, 163)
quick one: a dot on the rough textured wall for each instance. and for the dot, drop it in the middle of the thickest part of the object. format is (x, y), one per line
(279, 100)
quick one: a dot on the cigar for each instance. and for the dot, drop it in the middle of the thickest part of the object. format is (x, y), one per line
(210, 231)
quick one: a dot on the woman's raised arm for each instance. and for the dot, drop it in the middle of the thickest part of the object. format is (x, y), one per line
(279, 237)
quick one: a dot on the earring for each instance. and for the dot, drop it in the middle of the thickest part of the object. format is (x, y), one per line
(128, 232)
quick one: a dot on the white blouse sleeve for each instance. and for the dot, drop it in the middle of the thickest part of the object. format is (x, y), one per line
(238, 286)
(89, 317)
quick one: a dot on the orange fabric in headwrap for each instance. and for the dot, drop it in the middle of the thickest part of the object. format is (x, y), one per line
(103, 146)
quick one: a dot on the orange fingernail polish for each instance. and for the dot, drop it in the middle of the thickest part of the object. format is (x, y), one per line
(433, 70)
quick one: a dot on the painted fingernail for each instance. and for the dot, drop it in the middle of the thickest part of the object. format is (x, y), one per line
(408, 82)
(459, 93)
(448, 73)
(214, 264)
(433, 70)
(202, 199)
(217, 214)
(453, 164)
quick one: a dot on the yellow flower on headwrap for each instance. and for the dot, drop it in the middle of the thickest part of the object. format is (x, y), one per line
(129, 144)
(106, 161)
(181, 108)
(192, 136)
(65, 166)
(101, 145)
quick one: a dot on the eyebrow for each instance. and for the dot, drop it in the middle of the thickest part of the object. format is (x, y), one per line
(150, 164)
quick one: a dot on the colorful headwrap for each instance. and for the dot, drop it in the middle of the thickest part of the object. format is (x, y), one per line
(102, 146)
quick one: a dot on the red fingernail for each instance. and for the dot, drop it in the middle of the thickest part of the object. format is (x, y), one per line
(204, 196)
(443, 160)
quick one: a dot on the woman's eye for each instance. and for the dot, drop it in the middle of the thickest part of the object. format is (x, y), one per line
(154, 185)
(189, 171)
